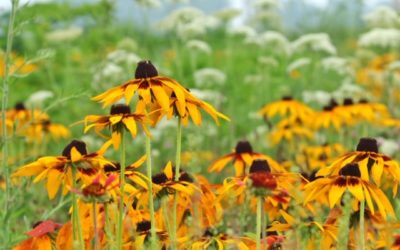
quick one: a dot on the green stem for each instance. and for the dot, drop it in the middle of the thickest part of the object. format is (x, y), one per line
(122, 189)
(96, 236)
(264, 228)
(4, 104)
(344, 223)
(176, 178)
(107, 227)
(150, 191)
(362, 230)
(76, 222)
(258, 225)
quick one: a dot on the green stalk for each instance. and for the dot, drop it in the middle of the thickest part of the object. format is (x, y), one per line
(96, 235)
(151, 203)
(76, 221)
(4, 104)
(344, 222)
(176, 178)
(258, 223)
(362, 230)
(107, 227)
(122, 189)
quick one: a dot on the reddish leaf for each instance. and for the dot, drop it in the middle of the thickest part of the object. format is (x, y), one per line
(43, 228)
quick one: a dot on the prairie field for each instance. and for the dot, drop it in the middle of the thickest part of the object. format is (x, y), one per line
(188, 124)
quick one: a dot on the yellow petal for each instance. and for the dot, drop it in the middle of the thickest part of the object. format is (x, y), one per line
(53, 183)
(75, 155)
(161, 96)
(130, 125)
(168, 170)
(335, 194)
(115, 119)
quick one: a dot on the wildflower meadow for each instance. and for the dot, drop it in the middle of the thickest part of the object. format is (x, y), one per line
(186, 124)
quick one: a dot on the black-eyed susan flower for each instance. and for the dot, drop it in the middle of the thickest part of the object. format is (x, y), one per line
(349, 179)
(285, 108)
(329, 117)
(316, 157)
(143, 232)
(39, 236)
(120, 118)
(371, 162)
(150, 87)
(288, 130)
(101, 189)
(18, 65)
(40, 128)
(214, 240)
(57, 169)
(242, 158)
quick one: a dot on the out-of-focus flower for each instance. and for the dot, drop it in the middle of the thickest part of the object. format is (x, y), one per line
(349, 89)
(268, 62)
(17, 65)
(227, 14)
(388, 147)
(297, 64)
(318, 42)
(265, 3)
(380, 38)
(275, 40)
(127, 44)
(215, 97)
(40, 236)
(209, 77)
(243, 31)
(123, 57)
(199, 46)
(318, 96)
(382, 17)
(64, 35)
(337, 64)
(38, 98)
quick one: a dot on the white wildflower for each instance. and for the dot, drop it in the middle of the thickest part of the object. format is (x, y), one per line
(319, 42)
(127, 44)
(275, 40)
(39, 97)
(349, 89)
(227, 14)
(215, 97)
(123, 56)
(243, 30)
(64, 35)
(318, 96)
(337, 64)
(111, 69)
(382, 17)
(253, 79)
(149, 3)
(266, 4)
(199, 46)
(209, 77)
(382, 38)
(388, 147)
(299, 63)
(268, 61)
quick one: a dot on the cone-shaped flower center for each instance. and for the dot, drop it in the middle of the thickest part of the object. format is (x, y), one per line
(79, 145)
(259, 166)
(243, 147)
(109, 168)
(328, 108)
(159, 178)
(19, 106)
(120, 109)
(143, 226)
(367, 145)
(287, 98)
(145, 69)
(185, 177)
(363, 101)
(350, 169)
(348, 102)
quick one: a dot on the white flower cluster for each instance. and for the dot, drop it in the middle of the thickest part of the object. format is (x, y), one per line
(298, 63)
(381, 38)
(244, 31)
(382, 17)
(318, 96)
(388, 147)
(211, 96)
(189, 22)
(337, 64)
(208, 77)
(266, 3)
(149, 3)
(64, 35)
(37, 99)
(349, 89)
(113, 68)
(199, 46)
(318, 42)
(275, 40)
(268, 61)
(227, 14)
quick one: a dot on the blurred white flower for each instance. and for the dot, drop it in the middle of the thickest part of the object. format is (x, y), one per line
(382, 17)
(227, 14)
(253, 79)
(337, 64)
(319, 42)
(275, 40)
(212, 96)
(64, 35)
(266, 3)
(197, 27)
(243, 30)
(388, 147)
(199, 46)
(382, 38)
(92, 141)
(38, 98)
(111, 69)
(393, 66)
(127, 44)
(209, 77)
(268, 61)
(318, 96)
(349, 89)
(149, 3)
(123, 56)
(298, 63)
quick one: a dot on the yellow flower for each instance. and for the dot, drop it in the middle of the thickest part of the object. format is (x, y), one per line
(316, 157)
(18, 65)
(349, 178)
(242, 158)
(40, 236)
(286, 107)
(120, 118)
(57, 169)
(289, 129)
(329, 117)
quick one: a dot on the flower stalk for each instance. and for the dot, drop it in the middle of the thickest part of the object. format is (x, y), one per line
(362, 224)
(153, 239)
(259, 222)
(122, 190)
(177, 169)
(96, 235)
(76, 222)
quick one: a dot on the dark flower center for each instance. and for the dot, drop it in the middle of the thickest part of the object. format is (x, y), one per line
(243, 147)
(259, 166)
(350, 169)
(208, 233)
(120, 109)
(367, 145)
(79, 145)
(310, 176)
(185, 177)
(287, 98)
(327, 108)
(348, 102)
(143, 226)
(159, 178)
(46, 123)
(145, 69)
(363, 101)
(109, 168)
(19, 106)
